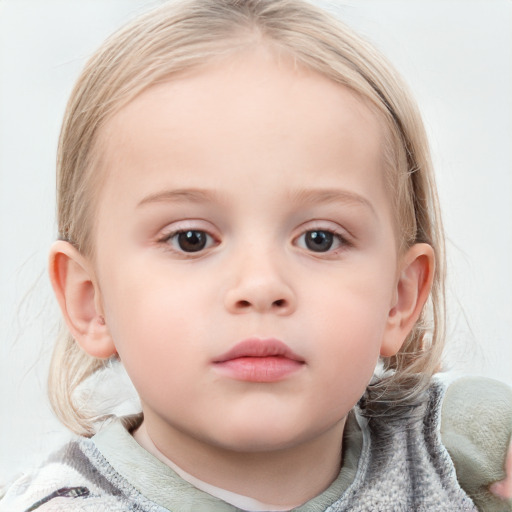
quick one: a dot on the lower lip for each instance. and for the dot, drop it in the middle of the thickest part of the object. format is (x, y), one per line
(259, 369)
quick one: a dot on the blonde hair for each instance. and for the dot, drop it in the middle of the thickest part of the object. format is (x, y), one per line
(179, 36)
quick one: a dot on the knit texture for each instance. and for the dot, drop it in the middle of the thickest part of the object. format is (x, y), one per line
(404, 466)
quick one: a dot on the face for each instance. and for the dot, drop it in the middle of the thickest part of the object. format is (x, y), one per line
(245, 252)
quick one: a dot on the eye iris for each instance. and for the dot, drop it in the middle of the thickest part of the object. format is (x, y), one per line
(319, 241)
(192, 241)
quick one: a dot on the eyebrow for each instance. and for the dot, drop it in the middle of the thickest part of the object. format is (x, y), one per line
(189, 195)
(329, 195)
(301, 196)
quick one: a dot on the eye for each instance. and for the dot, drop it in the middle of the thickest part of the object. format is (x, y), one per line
(320, 240)
(190, 240)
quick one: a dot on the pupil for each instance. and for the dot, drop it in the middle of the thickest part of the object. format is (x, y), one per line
(192, 241)
(319, 241)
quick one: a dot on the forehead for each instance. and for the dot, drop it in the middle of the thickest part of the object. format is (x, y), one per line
(247, 117)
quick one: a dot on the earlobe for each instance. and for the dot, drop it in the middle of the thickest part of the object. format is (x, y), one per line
(412, 291)
(78, 296)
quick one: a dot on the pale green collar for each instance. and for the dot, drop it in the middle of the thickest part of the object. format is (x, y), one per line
(160, 484)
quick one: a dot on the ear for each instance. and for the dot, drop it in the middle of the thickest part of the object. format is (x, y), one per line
(79, 299)
(414, 282)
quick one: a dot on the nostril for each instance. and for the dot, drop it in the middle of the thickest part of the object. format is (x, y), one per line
(243, 304)
(279, 303)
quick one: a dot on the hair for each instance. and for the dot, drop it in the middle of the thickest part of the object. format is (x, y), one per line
(181, 36)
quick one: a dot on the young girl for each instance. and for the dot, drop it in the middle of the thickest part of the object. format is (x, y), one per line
(248, 221)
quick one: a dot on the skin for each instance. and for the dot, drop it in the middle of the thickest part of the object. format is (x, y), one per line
(503, 488)
(248, 151)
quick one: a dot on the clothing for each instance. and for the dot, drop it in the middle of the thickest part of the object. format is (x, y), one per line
(456, 447)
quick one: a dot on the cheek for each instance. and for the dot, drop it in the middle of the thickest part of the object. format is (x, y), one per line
(352, 338)
(156, 327)
(352, 320)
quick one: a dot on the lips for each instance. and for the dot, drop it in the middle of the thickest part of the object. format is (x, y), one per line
(259, 360)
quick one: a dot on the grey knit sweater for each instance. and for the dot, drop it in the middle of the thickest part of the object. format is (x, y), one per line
(402, 466)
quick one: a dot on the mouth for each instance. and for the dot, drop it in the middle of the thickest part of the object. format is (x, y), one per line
(259, 360)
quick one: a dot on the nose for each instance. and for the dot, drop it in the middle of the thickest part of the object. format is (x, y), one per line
(259, 285)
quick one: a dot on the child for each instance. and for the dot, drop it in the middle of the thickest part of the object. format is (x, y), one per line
(248, 221)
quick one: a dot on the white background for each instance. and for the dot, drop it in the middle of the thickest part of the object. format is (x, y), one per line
(457, 58)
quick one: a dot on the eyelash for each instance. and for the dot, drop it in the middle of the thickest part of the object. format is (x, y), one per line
(172, 237)
(173, 242)
(334, 237)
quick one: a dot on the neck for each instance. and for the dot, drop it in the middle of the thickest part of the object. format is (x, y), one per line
(283, 477)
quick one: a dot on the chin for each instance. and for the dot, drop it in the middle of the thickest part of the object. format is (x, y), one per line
(259, 444)
(254, 436)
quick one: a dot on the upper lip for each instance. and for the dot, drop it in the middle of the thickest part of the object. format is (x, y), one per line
(258, 347)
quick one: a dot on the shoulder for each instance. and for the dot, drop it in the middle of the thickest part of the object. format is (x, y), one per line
(68, 481)
(476, 428)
